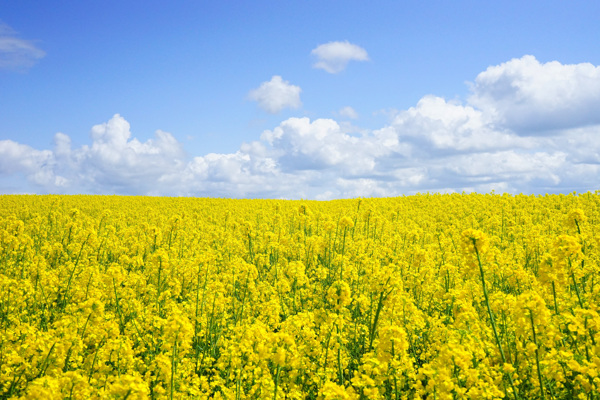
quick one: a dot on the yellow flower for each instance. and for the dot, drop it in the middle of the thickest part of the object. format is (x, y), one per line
(566, 247)
(129, 386)
(576, 218)
(279, 356)
(339, 294)
(333, 391)
(346, 222)
(508, 368)
(303, 210)
(474, 240)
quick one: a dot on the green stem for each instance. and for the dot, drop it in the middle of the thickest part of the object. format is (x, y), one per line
(276, 382)
(537, 355)
(343, 251)
(121, 322)
(487, 303)
(339, 358)
(174, 354)
(158, 306)
(554, 295)
(376, 319)
(45, 363)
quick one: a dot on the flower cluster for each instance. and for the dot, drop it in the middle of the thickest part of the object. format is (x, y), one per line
(428, 296)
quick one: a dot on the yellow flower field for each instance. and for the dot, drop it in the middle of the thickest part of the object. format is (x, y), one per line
(419, 297)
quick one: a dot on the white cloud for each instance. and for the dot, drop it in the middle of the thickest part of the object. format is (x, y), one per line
(299, 144)
(120, 163)
(16, 53)
(452, 126)
(437, 145)
(114, 163)
(276, 94)
(510, 165)
(348, 112)
(334, 56)
(528, 96)
(38, 166)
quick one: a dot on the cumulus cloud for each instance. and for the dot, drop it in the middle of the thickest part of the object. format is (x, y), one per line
(334, 56)
(438, 126)
(299, 144)
(17, 53)
(528, 96)
(436, 145)
(276, 94)
(37, 165)
(114, 163)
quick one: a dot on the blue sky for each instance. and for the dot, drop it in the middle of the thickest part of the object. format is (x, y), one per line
(299, 99)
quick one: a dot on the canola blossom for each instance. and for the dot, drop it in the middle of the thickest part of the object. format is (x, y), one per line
(420, 297)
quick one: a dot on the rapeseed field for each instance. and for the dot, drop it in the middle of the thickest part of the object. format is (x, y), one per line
(460, 296)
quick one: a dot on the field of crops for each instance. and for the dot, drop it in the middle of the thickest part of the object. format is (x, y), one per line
(419, 297)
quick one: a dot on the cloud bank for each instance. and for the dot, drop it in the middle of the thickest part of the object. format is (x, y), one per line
(334, 56)
(528, 96)
(499, 139)
(16, 53)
